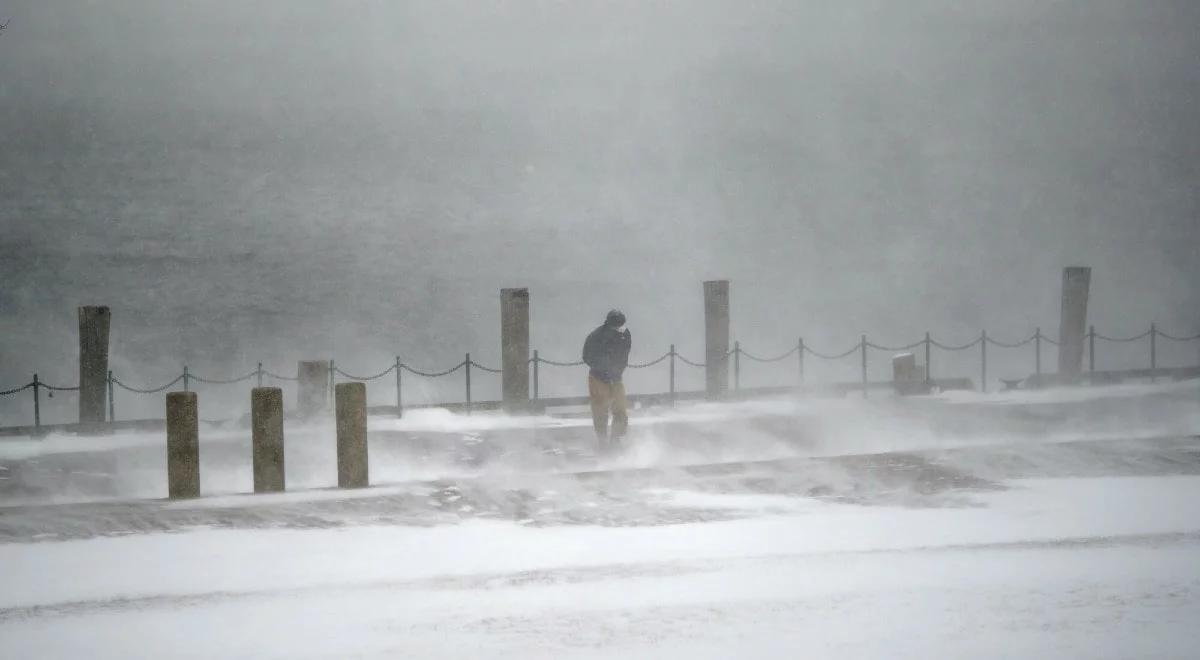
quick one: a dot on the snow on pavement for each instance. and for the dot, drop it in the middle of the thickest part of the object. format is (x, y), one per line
(1064, 526)
(1100, 567)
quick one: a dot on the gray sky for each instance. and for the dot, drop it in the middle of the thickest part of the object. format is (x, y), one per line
(285, 178)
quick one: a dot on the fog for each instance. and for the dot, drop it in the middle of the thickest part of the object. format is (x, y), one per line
(279, 180)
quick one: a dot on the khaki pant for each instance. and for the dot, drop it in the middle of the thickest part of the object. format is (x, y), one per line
(606, 397)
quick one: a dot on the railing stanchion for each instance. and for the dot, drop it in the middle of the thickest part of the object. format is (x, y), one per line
(672, 384)
(1091, 355)
(983, 361)
(37, 403)
(737, 366)
(800, 360)
(467, 362)
(1153, 352)
(864, 365)
(536, 385)
(399, 390)
(928, 367)
(1037, 355)
(332, 383)
(1038, 379)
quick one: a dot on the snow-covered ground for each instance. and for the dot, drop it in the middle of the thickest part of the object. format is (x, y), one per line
(1061, 526)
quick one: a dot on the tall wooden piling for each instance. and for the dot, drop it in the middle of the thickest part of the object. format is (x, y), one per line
(351, 407)
(313, 377)
(514, 347)
(716, 337)
(266, 438)
(93, 362)
(1076, 281)
(183, 445)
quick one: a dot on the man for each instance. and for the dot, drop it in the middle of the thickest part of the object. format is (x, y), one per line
(606, 352)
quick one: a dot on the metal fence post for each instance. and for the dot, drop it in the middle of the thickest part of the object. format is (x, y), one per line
(1153, 352)
(928, 368)
(259, 373)
(672, 385)
(399, 390)
(536, 360)
(983, 361)
(1037, 354)
(800, 360)
(1092, 354)
(737, 366)
(186, 378)
(467, 362)
(37, 403)
(112, 414)
(332, 381)
(864, 365)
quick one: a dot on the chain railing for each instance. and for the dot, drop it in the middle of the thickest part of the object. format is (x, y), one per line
(145, 390)
(377, 376)
(800, 350)
(16, 389)
(224, 381)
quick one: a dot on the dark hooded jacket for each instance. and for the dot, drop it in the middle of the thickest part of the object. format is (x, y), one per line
(606, 351)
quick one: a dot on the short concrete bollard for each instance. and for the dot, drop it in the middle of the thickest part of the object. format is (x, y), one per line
(183, 445)
(266, 414)
(313, 387)
(907, 378)
(351, 404)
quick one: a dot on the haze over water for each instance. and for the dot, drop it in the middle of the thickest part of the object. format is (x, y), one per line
(277, 180)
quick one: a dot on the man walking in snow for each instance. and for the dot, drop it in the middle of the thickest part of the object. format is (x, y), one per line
(606, 352)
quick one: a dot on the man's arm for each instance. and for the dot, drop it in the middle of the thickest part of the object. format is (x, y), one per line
(626, 344)
(589, 349)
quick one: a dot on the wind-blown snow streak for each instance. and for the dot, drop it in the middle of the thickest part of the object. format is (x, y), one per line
(1048, 525)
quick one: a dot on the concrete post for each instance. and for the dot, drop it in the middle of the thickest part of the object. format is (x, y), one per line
(907, 378)
(514, 348)
(313, 377)
(351, 404)
(266, 415)
(716, 337)
(93, 362)
(1075, 283)
(183, 445)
